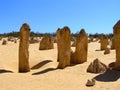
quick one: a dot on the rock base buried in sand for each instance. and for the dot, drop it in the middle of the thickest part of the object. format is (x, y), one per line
(111, 65)
(96, 67)
(107, 51)
(4, 42)
(104, 42)
(91, 82)
(0, 38)
(46, 43)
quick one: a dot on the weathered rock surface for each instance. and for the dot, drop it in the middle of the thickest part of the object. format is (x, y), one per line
(46, 43)
(33, 40)
(23, 48)
(96, 67)
(113, 44)
(116, 31)
(63, 43)
(4, 42)
(104, 42)
(80, 54)
(0, 38)
(91, 82)
(107, 51)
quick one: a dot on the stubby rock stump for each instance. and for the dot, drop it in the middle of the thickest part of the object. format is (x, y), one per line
(91, 82)
(4, 42)
(104, 42)
(96, 67)
(46, 43)
(107, 51)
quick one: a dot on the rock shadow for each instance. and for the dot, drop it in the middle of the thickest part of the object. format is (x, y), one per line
(5, 71)
(99, 50)
(37, 66)
(44, 71)
(108, 76)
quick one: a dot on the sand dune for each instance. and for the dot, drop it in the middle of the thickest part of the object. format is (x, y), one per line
(45, 76)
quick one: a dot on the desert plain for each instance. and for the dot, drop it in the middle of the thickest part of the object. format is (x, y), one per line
(44, 75)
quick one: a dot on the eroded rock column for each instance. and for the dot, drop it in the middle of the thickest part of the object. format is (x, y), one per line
(104, 42)
(46, 43)
(64, 45)
(113, 43)
(23, 48)
(80, 54)
(116, 31)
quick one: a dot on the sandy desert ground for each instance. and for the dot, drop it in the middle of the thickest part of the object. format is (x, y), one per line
(45, 76)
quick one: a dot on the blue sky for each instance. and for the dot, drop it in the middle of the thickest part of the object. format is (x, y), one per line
(95, 16)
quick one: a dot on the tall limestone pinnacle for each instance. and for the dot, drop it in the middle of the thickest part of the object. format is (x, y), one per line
(63, 43)
(23, 48)
(80, 54)
(116, 31)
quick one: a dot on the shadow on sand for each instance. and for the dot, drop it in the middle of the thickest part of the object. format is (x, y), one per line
(51, 69)
(44, 71)
(99, 50)
(108, 76)
(37, 66)
(5, 71)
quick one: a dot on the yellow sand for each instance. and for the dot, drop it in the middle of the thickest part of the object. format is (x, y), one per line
(46, 77)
